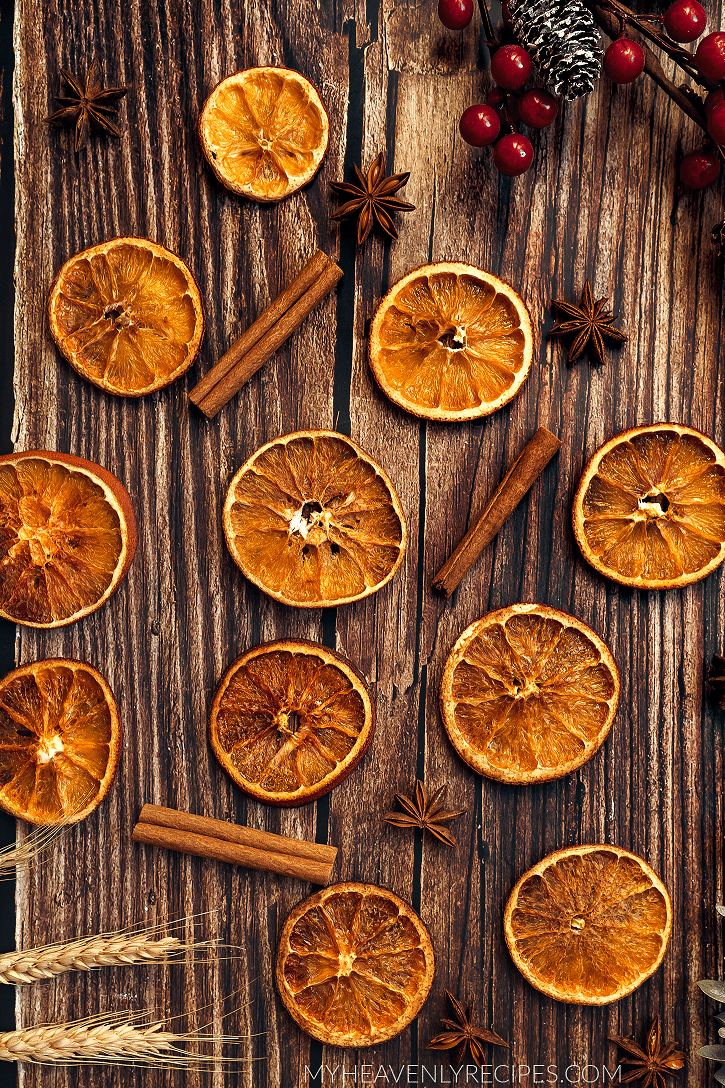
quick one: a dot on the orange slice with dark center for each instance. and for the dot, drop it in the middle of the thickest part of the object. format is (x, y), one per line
(127, 315)
(354, 965)
(588, 924)
(264, 132)
(67, 537)
(450, 341)
(528, 694)
(290, 720)
(60, 741)
(650, 508)
(314, 521)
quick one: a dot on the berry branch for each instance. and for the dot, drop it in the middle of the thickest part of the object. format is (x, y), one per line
(652, 66)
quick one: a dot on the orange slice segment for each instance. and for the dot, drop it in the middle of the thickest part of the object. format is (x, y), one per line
(264, 132)
(127, 315)
(354, 965)
(314, 521)
(290, 720)
(588, 924)
(60, 741)
(650, 508)
(528, 694)
(452, 342)
(67, 537)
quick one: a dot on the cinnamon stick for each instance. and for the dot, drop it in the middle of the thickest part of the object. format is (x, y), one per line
(222, 841)
(527, 467)
(266, 335)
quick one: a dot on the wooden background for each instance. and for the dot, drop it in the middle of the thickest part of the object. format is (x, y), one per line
(601, 202)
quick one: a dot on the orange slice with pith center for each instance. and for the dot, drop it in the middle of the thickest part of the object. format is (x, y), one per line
(450, 341)
(354, 965)
(60, 741)
(127, 315)
(528, 694)
(264, 132)
(290, 720)
(649, 511)
(67, 537)
(588, 924)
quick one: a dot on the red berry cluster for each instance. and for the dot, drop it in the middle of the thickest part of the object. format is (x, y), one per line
(684, 22)
(480, 125)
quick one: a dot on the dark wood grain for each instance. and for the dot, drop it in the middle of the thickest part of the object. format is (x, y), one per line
(603, 203)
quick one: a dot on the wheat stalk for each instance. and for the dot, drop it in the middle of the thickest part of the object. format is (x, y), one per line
(25, 852)
(114, 1039)
(88, 953)
(38, 840)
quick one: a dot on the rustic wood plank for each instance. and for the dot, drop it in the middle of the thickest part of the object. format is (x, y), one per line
(600, 203)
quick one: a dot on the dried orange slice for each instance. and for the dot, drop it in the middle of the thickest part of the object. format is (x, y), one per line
(264, 132)
(450, 341)
(127, 315)
(528, 694)
(314, 521)
(60, 740)
(290, 720)
(588, 924)
(67, 537)
(650, 508)
(354, 965)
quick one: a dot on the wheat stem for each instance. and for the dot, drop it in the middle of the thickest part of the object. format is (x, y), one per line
(115, 1039)
(86, 954)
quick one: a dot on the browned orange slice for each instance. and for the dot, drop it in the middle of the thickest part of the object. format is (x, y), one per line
(67, 537)
(314, 521)
(60, 740)
(450, 341)
(528, 693)
(588, 924)
(354, 965)
(290, 720)
(127, 315)
(264, 132)
(650, 508)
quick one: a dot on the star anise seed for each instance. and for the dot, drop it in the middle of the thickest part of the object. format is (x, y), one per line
(716, 679)
(590, 321)
(372, 200)
(464, 1034)
(426, 811)
(87, 105)
(650, 1065)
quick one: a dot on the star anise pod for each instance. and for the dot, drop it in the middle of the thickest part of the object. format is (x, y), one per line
(716, 679)
(425, 810)
(718, 238)
(590, 321)
(652, 1064)
(87, 104)
(464, 1034)
(372, 200)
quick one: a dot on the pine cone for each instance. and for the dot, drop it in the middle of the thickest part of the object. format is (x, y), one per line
(716, 679)
(563, 40)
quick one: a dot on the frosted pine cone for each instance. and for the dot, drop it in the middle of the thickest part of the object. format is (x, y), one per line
(563, 41)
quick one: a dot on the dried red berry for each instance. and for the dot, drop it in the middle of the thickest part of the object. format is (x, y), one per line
(685, 20)
(710, 56)
(699, 169)
(712, 99)
(509, 112)
(511, 67)
(455, 14)
(513, 154)
(716, 123)
(479, 125)
(538, 108)
(624, 60)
